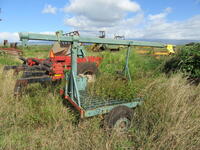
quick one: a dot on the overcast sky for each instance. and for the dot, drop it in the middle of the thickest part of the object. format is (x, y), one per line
(144, 19)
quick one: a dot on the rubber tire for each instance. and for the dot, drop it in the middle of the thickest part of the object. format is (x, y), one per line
(117, 113)
(84, 68)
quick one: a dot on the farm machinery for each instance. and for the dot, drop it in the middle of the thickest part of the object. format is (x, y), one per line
(119, 112)
(102, 47)
(52, 69)
(10, 49)
(167, 51)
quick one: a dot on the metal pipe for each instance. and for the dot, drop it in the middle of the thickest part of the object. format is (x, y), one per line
(46, 37)
(126, 69)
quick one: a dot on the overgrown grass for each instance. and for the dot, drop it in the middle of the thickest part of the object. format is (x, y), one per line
(168, 118)
(9, 60)
(40, 51)
(41, 121)
(139, 65)
(110, 84)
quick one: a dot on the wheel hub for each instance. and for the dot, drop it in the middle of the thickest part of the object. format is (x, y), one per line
(122, 124)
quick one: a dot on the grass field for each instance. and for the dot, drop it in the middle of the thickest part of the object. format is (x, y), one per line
(168, 119)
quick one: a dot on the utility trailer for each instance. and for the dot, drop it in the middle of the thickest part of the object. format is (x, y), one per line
(119, 112)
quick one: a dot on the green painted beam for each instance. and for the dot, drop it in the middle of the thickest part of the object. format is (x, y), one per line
(46, 37)
(106, 109)
(119, 42)
(43, 37)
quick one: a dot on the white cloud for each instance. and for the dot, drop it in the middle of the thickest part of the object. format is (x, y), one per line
(10, 36)
(158, 27)
(125, 17)
(49, 9)
(109, 15)
(160, 15)
(105, 11)
(122, 17)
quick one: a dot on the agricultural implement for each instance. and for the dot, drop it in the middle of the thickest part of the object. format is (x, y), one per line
(169, 50)
(119, 111)
(143, 50)
(96, 47)
(10, 51)
(52, 69)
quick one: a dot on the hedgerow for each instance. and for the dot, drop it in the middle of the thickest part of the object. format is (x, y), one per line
(187, 61)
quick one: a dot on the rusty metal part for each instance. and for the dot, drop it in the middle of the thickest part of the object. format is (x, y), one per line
(25, 68)
(61, 49)
(13, 45)
(23, 82)
(27, 74)
(19, 85)
(9, 67)
(12, 51)
(5, 42)
(16, 69)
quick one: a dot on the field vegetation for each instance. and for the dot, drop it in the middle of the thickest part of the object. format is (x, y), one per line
(187, 61)
(168, 119)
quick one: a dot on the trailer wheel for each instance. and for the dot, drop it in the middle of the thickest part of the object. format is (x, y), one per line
(119, 118)
(87, 69)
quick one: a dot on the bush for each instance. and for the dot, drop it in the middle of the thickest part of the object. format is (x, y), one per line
(187, 61)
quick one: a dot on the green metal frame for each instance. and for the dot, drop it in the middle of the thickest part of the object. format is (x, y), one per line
(76, 84)
(25, 36)
(106, 109)
(126, 71)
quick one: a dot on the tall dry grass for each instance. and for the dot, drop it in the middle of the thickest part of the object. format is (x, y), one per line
(39, 120)
(170, 116)
(168, 119)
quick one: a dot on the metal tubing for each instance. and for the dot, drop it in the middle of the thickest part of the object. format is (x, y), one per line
(72, 78)
(44, 37)
(33, 36)
(127, 72)
(76, 106)
(74, 58)
(9, 67)
(106, 109)
(76, 92)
